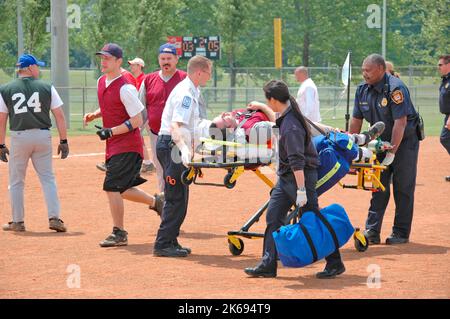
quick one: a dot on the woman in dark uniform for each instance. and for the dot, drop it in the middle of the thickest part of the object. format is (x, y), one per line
(297, 177)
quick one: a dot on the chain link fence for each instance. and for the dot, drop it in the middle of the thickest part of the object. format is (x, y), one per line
(422, 81)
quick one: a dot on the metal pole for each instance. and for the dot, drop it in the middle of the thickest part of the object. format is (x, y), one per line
(83, 93)
(60, 53)
(383, 41)
(19, 29)
(347, 115)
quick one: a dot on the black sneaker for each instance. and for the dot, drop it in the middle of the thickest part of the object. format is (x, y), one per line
(373, 236)
(57, 224)
(396, 239)
(101, 166)
(376, 130)
(261, 271)
(159, 203)
(171, 251)
(331, 272)
(177, 244)
(147, 168)
(118, 237)
(12, 226)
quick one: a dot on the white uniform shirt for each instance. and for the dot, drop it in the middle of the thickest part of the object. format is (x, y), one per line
(308, 100)
(182, 106)
(185, 105)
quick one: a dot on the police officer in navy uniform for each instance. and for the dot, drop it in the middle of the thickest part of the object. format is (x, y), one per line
(444, 101)
(181, 116)
(383, 97)
(297, 178)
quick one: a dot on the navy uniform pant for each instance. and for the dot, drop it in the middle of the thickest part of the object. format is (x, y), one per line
(403, 171)
(175, 192)
(445, 135)
(283, 197)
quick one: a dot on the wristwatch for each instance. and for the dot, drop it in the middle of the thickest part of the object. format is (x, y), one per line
(301, 189)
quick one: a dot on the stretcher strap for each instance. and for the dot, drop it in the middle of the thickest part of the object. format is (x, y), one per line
(316, 127)
(247, 114)
(310, 242)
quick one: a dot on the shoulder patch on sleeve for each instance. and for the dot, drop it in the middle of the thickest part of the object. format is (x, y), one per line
(187, 100)
(397, 97)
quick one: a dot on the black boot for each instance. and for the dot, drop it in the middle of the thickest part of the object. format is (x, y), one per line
(261, 271)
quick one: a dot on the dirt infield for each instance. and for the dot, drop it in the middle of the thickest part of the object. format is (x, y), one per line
(42, 264)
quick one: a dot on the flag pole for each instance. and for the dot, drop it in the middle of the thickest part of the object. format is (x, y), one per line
(347, 115)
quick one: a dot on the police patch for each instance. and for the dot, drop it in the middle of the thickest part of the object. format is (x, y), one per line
(397, 97)
(186, 102)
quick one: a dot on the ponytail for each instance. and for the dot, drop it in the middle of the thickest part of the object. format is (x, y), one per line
(298, 114)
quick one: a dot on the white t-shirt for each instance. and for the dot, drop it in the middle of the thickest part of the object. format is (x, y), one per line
(54, 104)
(129, 97)
(308, 100)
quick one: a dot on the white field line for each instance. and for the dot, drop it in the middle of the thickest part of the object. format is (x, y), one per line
(81, 155)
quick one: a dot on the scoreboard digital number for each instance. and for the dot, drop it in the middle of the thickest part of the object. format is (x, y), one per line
(188, 47)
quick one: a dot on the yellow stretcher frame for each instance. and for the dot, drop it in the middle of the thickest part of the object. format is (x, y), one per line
(367, 172)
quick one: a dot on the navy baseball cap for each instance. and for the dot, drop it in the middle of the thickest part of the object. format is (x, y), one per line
(168, 48)
(111, 49)
(26, 60)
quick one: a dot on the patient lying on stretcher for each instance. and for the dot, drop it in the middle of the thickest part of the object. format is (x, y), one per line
(254, 125)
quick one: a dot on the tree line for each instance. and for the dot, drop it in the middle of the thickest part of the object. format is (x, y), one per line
(314, 33)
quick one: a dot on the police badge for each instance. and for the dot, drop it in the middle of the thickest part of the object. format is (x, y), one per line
(384, 102)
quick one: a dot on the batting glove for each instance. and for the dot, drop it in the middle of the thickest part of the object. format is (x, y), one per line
(3, 152)
(104, 133)
(301, 197)
(388, 159)
(63, 149)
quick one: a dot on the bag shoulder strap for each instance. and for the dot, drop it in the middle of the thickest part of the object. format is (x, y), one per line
(316, 127)
(328, 226)
(310, 242)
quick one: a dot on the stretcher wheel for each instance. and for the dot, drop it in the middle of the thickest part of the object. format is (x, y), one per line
(361, 247)
(227, 183)
(184, 177)
(234, 250)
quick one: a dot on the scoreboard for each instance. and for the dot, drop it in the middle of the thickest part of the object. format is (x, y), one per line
(187, 47)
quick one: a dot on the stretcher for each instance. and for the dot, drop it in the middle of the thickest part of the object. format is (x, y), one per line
(225, 155)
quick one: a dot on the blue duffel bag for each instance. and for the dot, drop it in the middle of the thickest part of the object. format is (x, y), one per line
(336, 152)
(315, 236)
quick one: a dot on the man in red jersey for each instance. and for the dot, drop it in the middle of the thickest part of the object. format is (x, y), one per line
(136, 67)
(121, 112)
(135, 77)
(154, 91)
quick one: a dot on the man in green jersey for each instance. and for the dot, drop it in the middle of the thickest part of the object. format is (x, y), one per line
(27, 101)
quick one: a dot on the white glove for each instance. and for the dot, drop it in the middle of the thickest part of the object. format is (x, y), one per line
(388, 159)
(301, 197)
(185, 155)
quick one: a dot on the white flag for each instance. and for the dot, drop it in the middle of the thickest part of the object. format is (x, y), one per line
(346, 69)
